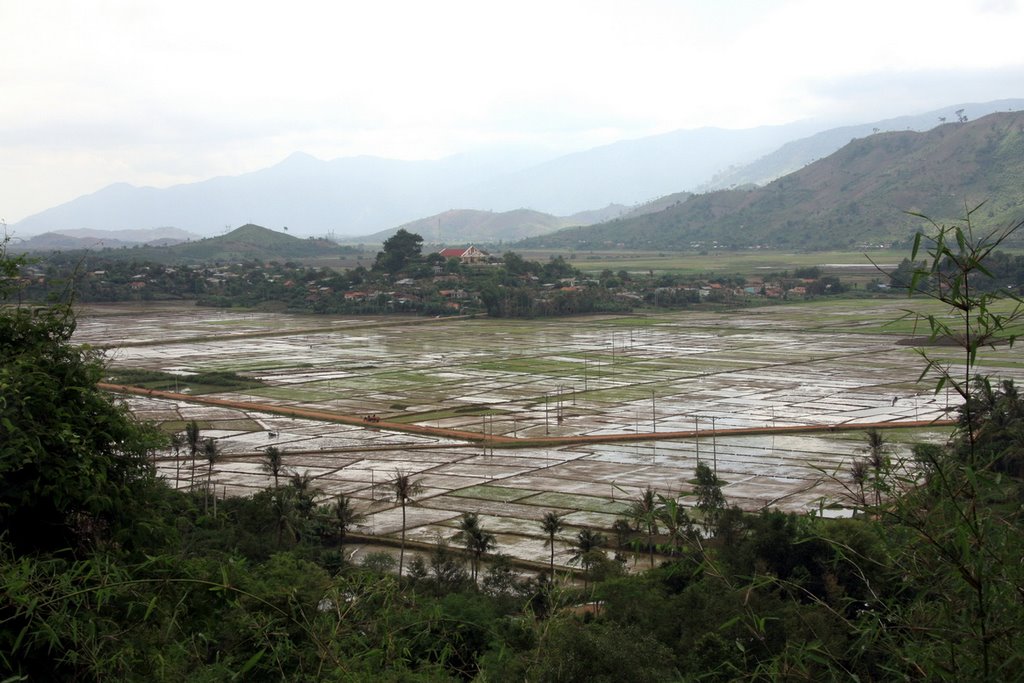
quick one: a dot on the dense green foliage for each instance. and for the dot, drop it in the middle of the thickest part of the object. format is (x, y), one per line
(106, 574)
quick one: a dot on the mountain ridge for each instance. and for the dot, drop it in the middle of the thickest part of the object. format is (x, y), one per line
(857, 196)
(359, 195)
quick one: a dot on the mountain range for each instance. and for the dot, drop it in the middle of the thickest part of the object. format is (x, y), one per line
(864, 194)
(364, 195)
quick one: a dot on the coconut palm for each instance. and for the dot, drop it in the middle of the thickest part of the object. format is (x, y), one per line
(273, 464)
(342, 516)
(193, 440)
(860, 475)
(282, 502)
(305, 493)
(211, 451)
(477, 541)
(177, 441)
(677, 523)
(878, 460)
(587, 550)
(404, 489)
(551, 524)
(644, 511)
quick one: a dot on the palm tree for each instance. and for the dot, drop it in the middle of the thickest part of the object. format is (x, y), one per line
(177, 441)
(212, 453)
(587, 548)
(551, 524)
(282, 505)
(675, 520)
(477, 541)
(404, 489)
(644, 512)
(859, 474)
(273, 464)
(878, 460)
(342, 516)
(305, 493)
(193, 440)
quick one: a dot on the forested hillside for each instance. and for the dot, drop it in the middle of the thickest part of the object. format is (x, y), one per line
(847, 199)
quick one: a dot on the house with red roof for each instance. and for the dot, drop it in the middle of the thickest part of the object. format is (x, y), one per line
(468, 254)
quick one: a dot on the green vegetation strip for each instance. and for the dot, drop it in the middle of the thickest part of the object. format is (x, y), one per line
(576, 501)
(500, 494)
(199, 383)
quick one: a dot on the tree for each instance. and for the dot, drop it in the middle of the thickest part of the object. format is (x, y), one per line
(71, 457)
(676, 522)
(305, 494)
(878, 461)
(193, 439)
(950, 526)
(710, 500)
(860, 473)
(177, 441)
(400, 250)
(644, 511)
(404, 489)
(551, 524)
(587, 551)
(340, 517)
(273, 464)
(477, 541)
(211, 451)
(445, 568)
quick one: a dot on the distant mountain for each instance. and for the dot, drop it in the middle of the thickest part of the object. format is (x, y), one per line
(70, 240)
(632, 171)
(796, 154)
(460, 226)
(54, 241)
(362, 195)
(147, 236)
(249, 242)
(856, 196)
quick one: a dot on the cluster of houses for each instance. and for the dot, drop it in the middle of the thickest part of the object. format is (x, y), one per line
(443, 290)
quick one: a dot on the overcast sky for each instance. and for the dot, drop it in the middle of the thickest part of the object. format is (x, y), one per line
(163, 92)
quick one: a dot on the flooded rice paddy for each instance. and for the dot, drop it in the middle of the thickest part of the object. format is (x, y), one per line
(583, 377)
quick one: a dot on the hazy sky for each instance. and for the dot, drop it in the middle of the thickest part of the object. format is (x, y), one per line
(163, 92)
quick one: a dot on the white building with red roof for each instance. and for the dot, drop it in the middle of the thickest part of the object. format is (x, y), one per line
(468, 254)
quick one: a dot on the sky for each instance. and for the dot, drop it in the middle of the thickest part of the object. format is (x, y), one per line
(157, 93)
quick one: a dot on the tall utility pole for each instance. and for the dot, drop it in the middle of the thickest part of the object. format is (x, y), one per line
(546, 422)
(696, 436)
(654, 421)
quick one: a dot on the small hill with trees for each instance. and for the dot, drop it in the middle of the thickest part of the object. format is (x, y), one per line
(493, 227)
(247, 243)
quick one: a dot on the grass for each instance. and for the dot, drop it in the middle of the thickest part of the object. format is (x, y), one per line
(746, 263)
(576, 501)
(199, 383)
(500, 494)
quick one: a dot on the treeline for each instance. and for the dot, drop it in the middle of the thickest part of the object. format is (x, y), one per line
(401, 280)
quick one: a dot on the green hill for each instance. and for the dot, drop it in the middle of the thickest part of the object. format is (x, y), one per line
(857, 196)
(461, 226)
(247, 243)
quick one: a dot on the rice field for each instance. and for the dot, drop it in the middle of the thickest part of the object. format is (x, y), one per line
(795, 365)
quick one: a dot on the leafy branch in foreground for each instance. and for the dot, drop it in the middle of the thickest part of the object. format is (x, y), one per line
(949, 520)
(954, 275)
